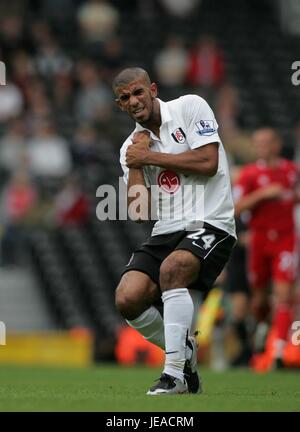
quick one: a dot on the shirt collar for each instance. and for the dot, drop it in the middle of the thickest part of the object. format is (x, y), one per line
(164, 113)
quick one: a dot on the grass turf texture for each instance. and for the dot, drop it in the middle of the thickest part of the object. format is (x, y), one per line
(112, 388)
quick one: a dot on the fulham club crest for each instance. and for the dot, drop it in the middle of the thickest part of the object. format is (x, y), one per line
(179, 135)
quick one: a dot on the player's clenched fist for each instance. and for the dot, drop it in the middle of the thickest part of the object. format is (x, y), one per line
(136, 156)
(137, 152)
(142, 139)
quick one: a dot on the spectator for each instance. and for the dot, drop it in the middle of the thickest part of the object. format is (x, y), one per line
(18, 201)
(13, 150)
(11, 102)
(39, 104)
(23, 71)
(50, 59)
(49, 155)
(19, 197)
(98, 20)
(179, 8)
(171, 62)
(63, 103)
(12, 36)
(62, 94)
(93, 100)
(111, 57)
(206, 66)
(71, 206)
(84, 149)
(39, 31)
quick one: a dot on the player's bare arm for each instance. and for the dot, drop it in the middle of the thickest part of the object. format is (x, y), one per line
(248, 202)
(202, 161)
(141, 143)
(140, 140)
(136, 177)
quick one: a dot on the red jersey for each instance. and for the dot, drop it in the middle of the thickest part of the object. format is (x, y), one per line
(272, 214)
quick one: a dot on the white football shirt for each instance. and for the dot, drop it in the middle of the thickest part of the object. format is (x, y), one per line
(186, 201)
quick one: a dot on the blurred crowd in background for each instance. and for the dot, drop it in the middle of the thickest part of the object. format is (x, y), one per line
(57, 109)
(57, 106)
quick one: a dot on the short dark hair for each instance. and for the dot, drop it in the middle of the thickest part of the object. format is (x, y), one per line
(128, 75)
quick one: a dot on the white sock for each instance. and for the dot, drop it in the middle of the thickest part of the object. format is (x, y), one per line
(151, 325)
(178, 315)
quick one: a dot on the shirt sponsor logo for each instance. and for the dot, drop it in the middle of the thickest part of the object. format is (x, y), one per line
(205, 127)
(178, 135)
(168, 181)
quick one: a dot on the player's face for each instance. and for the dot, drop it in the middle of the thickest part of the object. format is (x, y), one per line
(266, 144)
(136, 98)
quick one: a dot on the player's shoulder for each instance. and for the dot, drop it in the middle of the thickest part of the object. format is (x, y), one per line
(188, 100)
(187, 106)
(191, 100)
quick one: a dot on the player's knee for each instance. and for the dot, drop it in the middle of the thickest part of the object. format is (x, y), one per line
(176, 271)
(125, 302)
(132, 301)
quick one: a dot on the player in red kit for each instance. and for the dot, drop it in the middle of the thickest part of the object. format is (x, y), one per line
(268, 189)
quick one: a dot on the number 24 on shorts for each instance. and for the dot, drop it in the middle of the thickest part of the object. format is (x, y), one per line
(207, 239)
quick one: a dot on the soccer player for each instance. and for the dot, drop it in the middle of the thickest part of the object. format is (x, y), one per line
(175, 146)
(268, 190)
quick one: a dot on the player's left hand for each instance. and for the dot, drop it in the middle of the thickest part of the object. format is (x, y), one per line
(136, 156)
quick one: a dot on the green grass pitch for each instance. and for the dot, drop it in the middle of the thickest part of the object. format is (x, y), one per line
(113, 388)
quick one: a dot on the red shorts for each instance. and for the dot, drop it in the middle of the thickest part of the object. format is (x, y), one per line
(273, 257)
